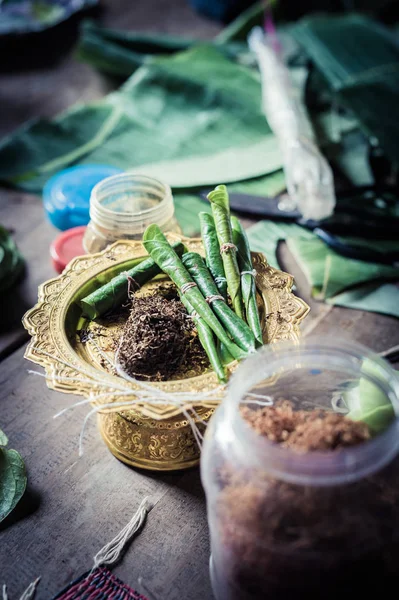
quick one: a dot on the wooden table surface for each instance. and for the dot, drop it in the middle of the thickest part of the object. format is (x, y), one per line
(73, 506)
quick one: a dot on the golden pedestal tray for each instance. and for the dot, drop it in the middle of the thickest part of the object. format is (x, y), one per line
(150, 437)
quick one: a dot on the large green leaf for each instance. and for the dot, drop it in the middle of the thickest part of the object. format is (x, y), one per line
(193, 104)
(341, 281)
(374, 297)
(3, 438)
(122, 52)
(12, 480)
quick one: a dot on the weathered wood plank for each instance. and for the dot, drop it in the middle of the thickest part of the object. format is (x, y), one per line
(74, 506)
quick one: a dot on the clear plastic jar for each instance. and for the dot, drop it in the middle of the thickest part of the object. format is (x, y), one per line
(122, 207)
(312, 525)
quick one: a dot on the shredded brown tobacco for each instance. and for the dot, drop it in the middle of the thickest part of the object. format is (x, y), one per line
(290, 540)
(305, 431)
(159, 339)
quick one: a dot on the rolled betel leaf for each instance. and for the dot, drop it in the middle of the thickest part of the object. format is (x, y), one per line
(114, 293)
(166, 258)
(236, 327)
(214, 259)
(219, 199)
(248, 286)
(207, 340)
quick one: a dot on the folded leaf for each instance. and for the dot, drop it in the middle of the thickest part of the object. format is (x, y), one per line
(207, 340)
(212, 252)
(12, 480)
(166, 258)
(330, 273)
(234, 325)
(248, 286)
(219, 200)
(115, 293)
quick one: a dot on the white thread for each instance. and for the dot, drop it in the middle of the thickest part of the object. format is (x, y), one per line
(187, 286)
(111, 552)
(253, 273)
(214, 297)
(228, 246)
(5, 595)
(145, 394)
(220, 280)
(30, 590)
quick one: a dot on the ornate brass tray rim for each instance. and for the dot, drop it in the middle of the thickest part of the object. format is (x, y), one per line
(52, 349)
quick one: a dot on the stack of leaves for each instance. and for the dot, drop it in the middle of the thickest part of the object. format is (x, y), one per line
(12, 478)
(11, 261)
(333, 278)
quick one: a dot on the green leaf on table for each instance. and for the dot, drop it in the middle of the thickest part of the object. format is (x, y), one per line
(12, 481)
(3, 438)
(195, 103)
(265, 235)
(229, 165)
(374, 297)
(330, 273)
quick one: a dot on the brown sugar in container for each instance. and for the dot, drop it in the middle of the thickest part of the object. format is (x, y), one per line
(305, 524)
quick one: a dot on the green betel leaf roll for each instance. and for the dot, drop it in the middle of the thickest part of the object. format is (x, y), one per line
(236, 327)
(207, 340)
(248, 286)
(214, 259)
(221, 213)
(166, 258)
(115, 293)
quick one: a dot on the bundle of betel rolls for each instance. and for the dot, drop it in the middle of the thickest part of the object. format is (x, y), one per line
(217, 295)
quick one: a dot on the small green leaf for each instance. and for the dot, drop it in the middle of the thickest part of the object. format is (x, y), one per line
(12, 481)
(368, 403)
(3, 439)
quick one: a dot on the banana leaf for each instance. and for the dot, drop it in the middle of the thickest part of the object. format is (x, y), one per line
(120, 53)
(221, 213)
(114, 293)
(358, 58)
(236, 327)
(207, 340)
(195, 103)
(248, 286)
(212, 252)
(374, 297)
(166, 258)
(339, 280)
(330, 273)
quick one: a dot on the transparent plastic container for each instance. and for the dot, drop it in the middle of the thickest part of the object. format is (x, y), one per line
(122, 207)
(312, 525)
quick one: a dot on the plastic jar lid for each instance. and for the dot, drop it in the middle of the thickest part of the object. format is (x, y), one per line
(67, 246)
(66, 195)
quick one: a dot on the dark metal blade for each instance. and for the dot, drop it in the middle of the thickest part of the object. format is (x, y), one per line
(259, 205)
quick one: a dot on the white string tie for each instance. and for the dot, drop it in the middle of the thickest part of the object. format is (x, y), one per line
(111, 552)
